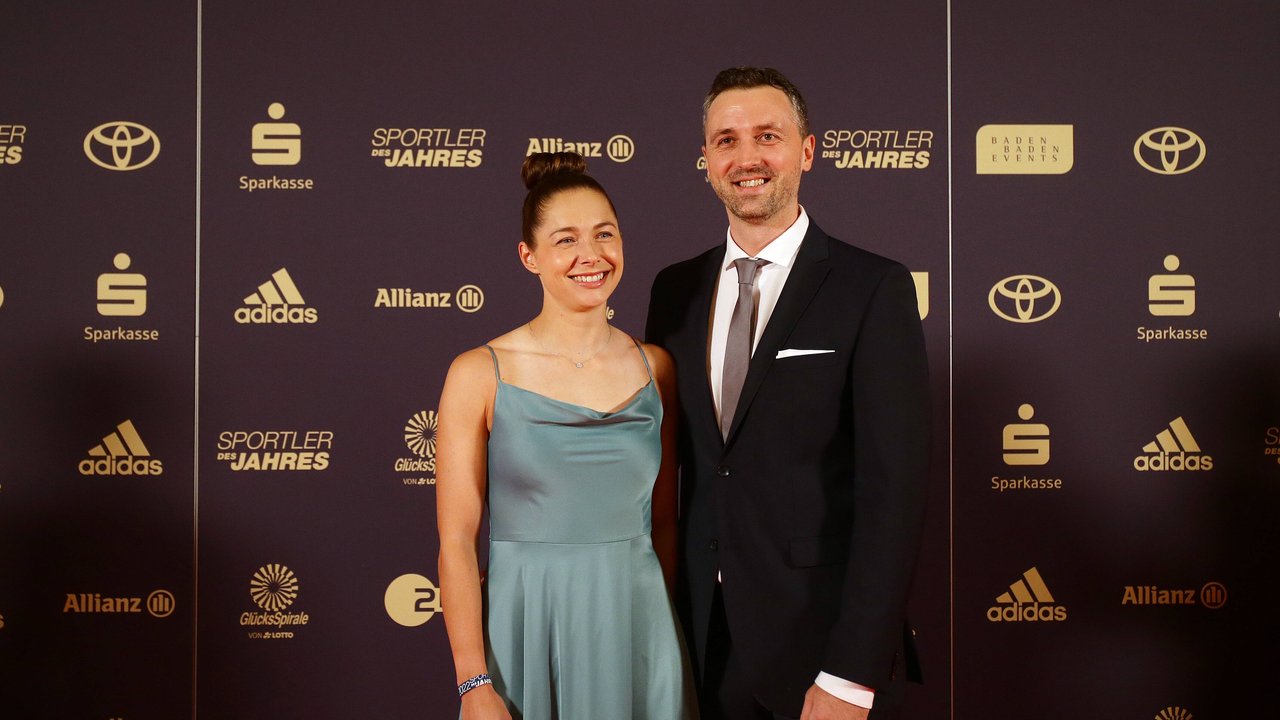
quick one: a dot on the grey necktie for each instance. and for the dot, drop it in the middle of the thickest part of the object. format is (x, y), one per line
(737, 349)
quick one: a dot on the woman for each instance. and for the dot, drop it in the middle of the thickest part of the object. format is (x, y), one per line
(566, 426)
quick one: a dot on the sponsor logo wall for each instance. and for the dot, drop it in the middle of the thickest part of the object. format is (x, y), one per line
(230, 291)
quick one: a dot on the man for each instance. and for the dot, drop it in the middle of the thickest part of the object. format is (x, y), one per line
(804, 434)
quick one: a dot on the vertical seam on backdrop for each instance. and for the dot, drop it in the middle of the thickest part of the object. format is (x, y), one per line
(195, 428)
(951, 397)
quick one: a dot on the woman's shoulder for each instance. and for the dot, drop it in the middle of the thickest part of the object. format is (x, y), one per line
(479, 362)
(660, 360)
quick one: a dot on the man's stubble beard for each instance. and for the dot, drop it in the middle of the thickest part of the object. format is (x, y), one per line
(756, 210)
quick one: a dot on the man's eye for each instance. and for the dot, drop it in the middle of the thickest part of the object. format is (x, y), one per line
(724, 141)
(768, 137)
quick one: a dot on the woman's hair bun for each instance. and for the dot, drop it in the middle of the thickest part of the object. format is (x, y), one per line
(540, 166)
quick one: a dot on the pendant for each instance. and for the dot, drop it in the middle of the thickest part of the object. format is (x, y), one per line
(578, 365)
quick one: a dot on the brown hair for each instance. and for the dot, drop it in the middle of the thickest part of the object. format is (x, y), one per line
(547, 175)
(744, 78)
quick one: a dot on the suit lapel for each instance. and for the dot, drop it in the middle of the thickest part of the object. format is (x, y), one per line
(703, 403)
(806, 277)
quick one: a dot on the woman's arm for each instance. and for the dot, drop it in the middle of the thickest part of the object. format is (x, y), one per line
(666, 488)
(462, 436)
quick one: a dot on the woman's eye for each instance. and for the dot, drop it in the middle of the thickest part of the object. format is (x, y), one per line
(604, 235)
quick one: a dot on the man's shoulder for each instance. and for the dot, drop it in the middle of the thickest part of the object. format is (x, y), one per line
(844, 254)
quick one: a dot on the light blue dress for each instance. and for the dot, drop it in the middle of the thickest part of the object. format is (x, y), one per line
(578, 622)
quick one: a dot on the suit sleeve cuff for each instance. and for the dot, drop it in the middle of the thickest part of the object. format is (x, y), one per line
(850, 692)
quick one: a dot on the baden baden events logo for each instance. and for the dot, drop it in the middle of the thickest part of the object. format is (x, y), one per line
(414, 147)
(1169, 150)
(1024, 299)
(271, 450)
(411, 600)
(277, 144)
(921, 281)
(861, 149)
(1028, 600)
(618, 148)
(1175, 449)
(1173, 712)
(12, 138)
(1171, 294)
(159, 604)
(1212, 595)
(121, 452)
(1025, 149)
(468, 298)
(121, 294)
(273, 588)
(121, 145)
(1025, 444)
(277, 301)
(420, 438)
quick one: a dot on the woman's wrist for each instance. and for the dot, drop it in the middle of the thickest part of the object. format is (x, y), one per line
(473, 682)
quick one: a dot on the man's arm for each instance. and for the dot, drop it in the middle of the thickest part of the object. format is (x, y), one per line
(891, 410)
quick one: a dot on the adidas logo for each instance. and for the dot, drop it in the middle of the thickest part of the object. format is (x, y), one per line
(1173, 449)
(121, 453)
(1028, 600)
(276, 301)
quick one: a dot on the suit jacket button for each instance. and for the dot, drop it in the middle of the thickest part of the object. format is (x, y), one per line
(713, 545)
(723, 471)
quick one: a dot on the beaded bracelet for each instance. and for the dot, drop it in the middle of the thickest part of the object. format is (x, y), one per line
(473, 683)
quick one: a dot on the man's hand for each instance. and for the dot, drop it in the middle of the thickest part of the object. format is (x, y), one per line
(822, 705)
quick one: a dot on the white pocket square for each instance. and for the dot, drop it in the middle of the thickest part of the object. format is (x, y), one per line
(796, 353)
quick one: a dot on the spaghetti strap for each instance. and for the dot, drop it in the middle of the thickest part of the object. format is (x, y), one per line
(496, 372)
(643, 357)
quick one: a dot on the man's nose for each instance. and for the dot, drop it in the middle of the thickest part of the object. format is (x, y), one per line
(747, 154)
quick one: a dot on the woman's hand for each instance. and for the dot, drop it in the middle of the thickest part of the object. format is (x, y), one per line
(483, 703)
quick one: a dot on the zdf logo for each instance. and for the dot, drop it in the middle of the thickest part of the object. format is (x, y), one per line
(1169, 150)
(121, 145)
(411, 600)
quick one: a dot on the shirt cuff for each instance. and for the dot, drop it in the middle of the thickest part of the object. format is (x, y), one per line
(850, 692)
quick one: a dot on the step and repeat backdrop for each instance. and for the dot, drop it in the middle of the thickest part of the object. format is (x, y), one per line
(240, 243)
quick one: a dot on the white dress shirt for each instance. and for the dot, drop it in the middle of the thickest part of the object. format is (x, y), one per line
(770, 278)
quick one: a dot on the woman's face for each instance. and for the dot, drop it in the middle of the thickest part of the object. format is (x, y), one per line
(577, 249)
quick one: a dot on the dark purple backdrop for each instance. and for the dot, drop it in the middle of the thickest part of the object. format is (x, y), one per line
(927, 74)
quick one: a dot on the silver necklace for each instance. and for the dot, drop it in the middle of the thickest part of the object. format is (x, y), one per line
(576, 363)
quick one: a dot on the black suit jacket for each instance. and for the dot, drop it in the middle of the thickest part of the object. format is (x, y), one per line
(812, 508)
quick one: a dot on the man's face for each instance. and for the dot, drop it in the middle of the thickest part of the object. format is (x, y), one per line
(755, 153)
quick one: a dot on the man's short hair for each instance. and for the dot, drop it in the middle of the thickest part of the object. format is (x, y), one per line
(743, 78)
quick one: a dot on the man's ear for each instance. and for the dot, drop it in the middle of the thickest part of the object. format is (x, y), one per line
(806, 153)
